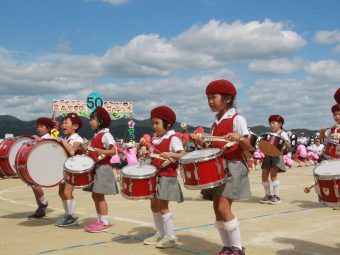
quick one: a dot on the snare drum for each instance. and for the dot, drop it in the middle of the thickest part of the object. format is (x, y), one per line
(138, 181)
(79, 170)
(41, 163)
(327, 179)
(8, 151)
(332, 149)
(271, 144)
(203, 169)
(252, 139)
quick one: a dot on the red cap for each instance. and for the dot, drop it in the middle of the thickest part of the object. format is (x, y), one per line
(221, 87)
(277, 118)
(337, 96)
(75, 119)
(104, 116)
(45, 122)
(199, 130)
(164, 113)
(336, 108)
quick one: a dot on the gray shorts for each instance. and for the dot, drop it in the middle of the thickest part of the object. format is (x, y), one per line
(104, 181)
(168, 188)
(237, 185)
(270, 162)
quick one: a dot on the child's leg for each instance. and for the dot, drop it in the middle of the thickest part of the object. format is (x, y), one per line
(101, 207)
(265, 181)
(167, 218)
(157, 216)
(39, 195)
(275, 181)
(223, 213)
(66, 195)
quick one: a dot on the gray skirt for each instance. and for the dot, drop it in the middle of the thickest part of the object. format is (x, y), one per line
(237, 185)
(104, 181)
(168, 188)
(270, 162)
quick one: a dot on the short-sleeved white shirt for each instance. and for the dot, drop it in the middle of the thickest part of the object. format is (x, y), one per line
(239, 124)
(175, 143)
(283, 134)
(74, 138)
(107, 138)
(46, 136)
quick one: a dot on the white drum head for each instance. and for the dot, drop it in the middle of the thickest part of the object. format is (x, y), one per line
(45, 163)
(200, 155)
(329, 168)
(139, 170)
(14, 150)
(79, 163)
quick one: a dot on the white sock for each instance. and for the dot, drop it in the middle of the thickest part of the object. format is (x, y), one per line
(169, 225)
(68, 202)
(223, 234)
(266, 186)
(43, 200)
(233, 230)
(99, 217)
(276, 188)
(65, 205)
(73, 207)
(104, 219)
(159, 224)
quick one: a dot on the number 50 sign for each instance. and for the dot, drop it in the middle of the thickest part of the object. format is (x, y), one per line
(94, 100)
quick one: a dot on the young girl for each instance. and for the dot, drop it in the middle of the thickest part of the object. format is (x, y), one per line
(71, 124)
(104, 180)
(168, 189)
(301, 154)
(44, 126)
(333, 133)
(271, 165)
(228, 123)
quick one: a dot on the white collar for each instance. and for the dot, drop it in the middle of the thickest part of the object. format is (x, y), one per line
(227, 115)
(167, 135)
(102, 130)
(71, 137)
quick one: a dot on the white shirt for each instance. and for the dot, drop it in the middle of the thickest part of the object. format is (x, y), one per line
(175, 143)
(303, 140)
(317, 149)
(46, 136)
(107, 138)
(239, 123)
(74, 138)
(328, 132)
(283, 134)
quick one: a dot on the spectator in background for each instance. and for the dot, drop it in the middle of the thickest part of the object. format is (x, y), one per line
(293, 141)
(315, 151)
(302, 139)
(301, 154)
(131, 154)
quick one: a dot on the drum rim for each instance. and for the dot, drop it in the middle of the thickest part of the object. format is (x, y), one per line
(137, 198)
(206, 186)
(270, 133)
(139, 176)
(82, 171)
(328, 177)
(332, 141)
(201, 159)
(252, 133)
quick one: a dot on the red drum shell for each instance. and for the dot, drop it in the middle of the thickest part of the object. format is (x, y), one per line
(271, 144)
(332, 149)
(203, 169)
(79, 171)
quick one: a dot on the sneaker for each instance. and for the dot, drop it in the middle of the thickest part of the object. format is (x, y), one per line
(224, 251)
(67, 220)
(166, 242)
(275, 200)
(266, 199)
(236, 251)
(154, 239)
(39, 213)
(97, 227)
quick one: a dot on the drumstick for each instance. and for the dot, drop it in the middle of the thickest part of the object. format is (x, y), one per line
(153, 147)
(307, 189)
(100, 157)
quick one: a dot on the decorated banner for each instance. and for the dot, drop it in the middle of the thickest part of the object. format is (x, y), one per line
(116, 110)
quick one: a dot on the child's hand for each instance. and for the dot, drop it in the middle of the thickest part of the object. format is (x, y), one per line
(166, 155)
(233, 137)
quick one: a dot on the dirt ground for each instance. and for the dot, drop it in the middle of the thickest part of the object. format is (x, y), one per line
(297, 226)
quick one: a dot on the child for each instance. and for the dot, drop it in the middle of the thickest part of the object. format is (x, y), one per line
(301, 154)
(315, 151)
(130, 154)
(104, 179)
(271, 165)
(228, 123)
(168, 189)
(71, 124)
(258, 156)
(44, 126)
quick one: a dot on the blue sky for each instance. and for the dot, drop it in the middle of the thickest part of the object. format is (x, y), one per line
(283, 56)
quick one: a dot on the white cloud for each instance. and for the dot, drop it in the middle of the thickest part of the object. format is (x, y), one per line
(275, 66)
(116, 2)
(324, 71)
(237, 41)
(327, 37)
